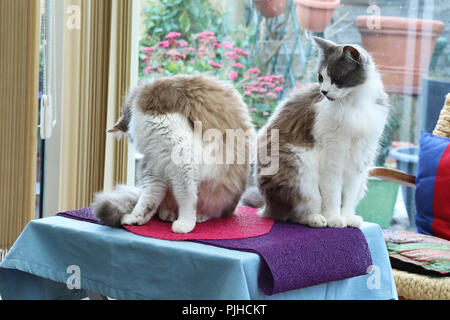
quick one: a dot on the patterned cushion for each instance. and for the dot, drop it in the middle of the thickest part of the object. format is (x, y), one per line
(433, 186)
(418, 253)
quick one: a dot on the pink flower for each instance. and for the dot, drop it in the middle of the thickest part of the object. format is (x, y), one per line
(246, 76)
(206, 35)
(190, 49)
(214, 64)
(228, 45)
(164, 44)
(201, 51)
(149, 69)
(241, 51)
(248, 93)
(271, 95)
(178, 56)
(278, 89)
(253, 71)
(147, 50)
(238, 65)
(232, 75)
(254, 110)
(146, 58)
(182, 43)
(231, 55)
(265, 113)
(216, 45)
(173, 35)
(175, 54)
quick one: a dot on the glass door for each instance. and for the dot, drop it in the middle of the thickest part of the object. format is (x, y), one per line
(50, 74)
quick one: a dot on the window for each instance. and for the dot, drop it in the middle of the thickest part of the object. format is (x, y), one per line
(50, 74)
(43, 62)
(265, 48)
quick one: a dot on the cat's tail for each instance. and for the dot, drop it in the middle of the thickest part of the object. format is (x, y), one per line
(252, 198)
(111, 206)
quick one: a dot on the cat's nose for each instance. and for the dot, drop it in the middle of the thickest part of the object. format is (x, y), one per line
(324, 92)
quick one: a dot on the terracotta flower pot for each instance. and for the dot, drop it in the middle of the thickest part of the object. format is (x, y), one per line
(315, 15)
(270, 8)
(402, 48)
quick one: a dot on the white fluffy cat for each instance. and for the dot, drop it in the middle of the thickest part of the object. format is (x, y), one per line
(328, 139)
(160, 118)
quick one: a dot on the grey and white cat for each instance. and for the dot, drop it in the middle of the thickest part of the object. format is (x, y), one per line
(328, 138)
(159, 117)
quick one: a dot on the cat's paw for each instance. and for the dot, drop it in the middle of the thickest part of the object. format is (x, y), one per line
(336, 222)
(132, 219)
(129, 219)
(354, 221)
(313, 220)
(202, 218)
(183, 226)
(167, 215)
(316, 221)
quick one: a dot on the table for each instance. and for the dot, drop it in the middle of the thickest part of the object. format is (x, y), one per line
(54, 251)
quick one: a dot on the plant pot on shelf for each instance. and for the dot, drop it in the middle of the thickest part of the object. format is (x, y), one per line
(407, 159)
(433, 98)
(315, 15)
(402, 48)
(379, 202)
(270, 8)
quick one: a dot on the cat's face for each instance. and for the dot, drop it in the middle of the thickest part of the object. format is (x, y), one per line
(342, 69)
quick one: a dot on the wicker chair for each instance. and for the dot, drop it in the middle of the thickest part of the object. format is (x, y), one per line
(413, 286)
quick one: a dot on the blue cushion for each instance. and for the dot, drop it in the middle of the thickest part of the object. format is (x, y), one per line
(433, 186)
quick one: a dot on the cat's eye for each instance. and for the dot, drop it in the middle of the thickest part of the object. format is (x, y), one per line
(320, 78)
(336, 81)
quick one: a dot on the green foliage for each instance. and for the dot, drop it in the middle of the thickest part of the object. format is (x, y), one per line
(184, 16)
(188, 17)
(203, 53)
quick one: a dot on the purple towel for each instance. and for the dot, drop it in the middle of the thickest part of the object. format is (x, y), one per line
(293, 256)
(84, 214)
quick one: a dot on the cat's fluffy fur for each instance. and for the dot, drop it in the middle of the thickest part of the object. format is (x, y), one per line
(328, 138)
(159, 117)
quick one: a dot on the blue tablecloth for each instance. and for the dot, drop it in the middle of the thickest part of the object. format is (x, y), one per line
(123, 265)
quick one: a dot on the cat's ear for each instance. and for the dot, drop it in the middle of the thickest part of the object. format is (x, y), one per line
(352, 53)
(119, 129)
(325, 45)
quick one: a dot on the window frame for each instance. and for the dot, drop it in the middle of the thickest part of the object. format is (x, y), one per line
(51, 173)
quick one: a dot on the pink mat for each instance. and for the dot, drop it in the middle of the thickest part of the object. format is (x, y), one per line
(244, 224)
